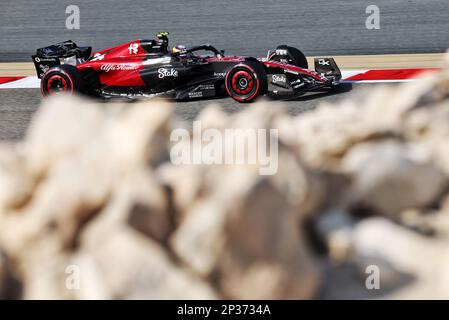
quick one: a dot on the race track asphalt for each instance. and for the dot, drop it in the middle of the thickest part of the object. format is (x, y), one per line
(250, 27)
(17, 107)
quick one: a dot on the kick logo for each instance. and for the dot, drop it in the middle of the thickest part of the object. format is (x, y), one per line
(324, 62)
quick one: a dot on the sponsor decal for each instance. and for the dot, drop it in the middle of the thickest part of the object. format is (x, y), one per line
(164, 72)
(196, 94)
(220, 74)
(39, 59)
(118, 67)
(281, 52)
(297, 84)
(98, 57)
(278, 78)
(324, 62)
(133, 48)
(207, 87)
(44, 69)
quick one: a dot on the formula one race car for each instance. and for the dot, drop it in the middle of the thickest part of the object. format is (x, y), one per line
(146, 68)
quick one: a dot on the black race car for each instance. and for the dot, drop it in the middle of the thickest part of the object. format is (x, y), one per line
(146, 68)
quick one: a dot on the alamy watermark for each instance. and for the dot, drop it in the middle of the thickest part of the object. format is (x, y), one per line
(72, 21)
(73, 279)
(372, 282)
(373, 20)
(226, 147)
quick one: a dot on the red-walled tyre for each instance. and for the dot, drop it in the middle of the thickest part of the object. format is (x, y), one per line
(63, 79)
(246, 81)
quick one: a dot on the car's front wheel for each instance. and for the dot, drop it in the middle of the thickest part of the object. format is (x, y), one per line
(246, 81)
(65, 79)
(292, 56)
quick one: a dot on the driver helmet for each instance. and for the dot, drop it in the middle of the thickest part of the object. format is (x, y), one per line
(179, 50)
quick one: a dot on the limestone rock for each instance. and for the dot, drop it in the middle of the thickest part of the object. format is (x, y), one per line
(92, 205)
(390, 177)
(16, 185)
(255, 236)
(424, 260)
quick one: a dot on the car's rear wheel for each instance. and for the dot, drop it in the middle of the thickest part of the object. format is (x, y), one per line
(64, 79)
(246, 81)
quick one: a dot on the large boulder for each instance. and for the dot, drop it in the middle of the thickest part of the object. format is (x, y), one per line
(92, 204)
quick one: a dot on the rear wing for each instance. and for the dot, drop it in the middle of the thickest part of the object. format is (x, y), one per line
(64, 52)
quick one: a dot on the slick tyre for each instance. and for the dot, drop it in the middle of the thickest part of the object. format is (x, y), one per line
(246, 81)
(299, 59)
(63, 79)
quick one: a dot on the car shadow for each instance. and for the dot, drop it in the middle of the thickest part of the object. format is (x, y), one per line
(218, 97)
(340, 89)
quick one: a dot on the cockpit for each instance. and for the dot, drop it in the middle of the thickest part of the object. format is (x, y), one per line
(154, 47)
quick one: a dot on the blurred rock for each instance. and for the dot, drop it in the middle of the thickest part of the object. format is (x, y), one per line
(141, 268)
(16, 185)
(424, 259)
(248, 227)
(91, 207)
(390, 177)
(4, 275)
(10, 285)
(252, 247)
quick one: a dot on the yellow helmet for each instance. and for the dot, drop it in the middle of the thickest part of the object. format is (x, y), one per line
(180, 49)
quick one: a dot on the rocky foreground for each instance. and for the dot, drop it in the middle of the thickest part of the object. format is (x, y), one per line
(92, 207)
